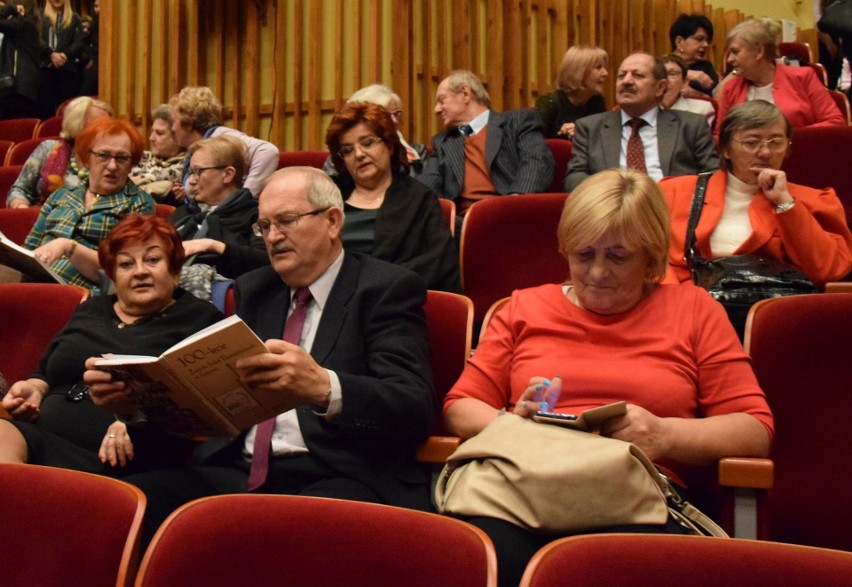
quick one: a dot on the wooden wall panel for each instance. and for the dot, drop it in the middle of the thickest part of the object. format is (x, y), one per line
(282, 67)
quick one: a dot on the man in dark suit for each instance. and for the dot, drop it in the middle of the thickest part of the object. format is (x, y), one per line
(483, 153)
(672, 142)
(359, 378)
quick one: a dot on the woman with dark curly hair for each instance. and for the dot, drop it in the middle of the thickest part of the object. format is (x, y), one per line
(388, 215)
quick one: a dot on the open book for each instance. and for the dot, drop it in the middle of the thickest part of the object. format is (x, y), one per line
(590, 420)
(25, 262)
(193, 389)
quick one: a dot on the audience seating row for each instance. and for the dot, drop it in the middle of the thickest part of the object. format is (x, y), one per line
(232, 539)
(802, 506)
(21, 129)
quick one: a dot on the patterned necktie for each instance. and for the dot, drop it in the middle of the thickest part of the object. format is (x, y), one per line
(635, 149)
(263, 435)
(466, 130)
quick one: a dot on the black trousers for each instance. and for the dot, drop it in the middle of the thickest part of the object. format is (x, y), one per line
(297, 475)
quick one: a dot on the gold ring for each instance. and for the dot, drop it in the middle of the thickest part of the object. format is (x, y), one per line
(112, 435)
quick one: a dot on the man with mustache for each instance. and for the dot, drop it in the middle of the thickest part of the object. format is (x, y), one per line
(640, 135)
(358, 378)
(484, 153)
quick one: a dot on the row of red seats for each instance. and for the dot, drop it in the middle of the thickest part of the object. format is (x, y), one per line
(797, 512)
(818, 328)
(260, 539)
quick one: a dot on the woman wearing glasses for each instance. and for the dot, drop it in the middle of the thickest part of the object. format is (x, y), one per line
(216, 225)
(72, 222)
(389, 215)
(750, 208)
(691, 35)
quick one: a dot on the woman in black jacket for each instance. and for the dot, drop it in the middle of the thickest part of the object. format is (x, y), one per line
(61, 77)
(23, 44)
(216, 226)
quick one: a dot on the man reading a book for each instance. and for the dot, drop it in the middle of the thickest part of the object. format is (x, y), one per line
(356, 368)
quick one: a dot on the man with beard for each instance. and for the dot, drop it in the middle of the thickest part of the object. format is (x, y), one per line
(640, 135)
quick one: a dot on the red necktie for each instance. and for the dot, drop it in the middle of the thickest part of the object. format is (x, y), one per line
(263, 435)
(635, 149)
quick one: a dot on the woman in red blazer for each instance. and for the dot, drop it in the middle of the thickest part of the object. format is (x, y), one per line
(796, 91)
(750, 208)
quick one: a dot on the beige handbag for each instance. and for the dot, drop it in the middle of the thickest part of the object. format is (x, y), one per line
(552, 479)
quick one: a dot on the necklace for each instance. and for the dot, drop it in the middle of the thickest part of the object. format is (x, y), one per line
(81, 173)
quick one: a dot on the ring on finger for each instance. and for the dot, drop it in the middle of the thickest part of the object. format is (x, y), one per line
(112, 435)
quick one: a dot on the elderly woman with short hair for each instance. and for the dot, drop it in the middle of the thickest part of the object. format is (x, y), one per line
(674, 99)
(54, 421)
(54, 164)
(796, 91)
(614, 333)
(579, 91)
(162, 165)
(72, 222)
(389, 215)
(216, 225)
(750, 208)
(197, 114)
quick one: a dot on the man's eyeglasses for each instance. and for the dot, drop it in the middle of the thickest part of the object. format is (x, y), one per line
(197, 171)
(366, 144)
(104, 157)
(284, 224)
(776, 145)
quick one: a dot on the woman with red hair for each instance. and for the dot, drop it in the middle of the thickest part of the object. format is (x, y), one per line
(388, 215)
(55, 422)
(72, 222)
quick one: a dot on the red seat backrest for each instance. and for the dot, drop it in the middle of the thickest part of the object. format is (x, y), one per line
(819, 157)
(561, 150)
(31, 315)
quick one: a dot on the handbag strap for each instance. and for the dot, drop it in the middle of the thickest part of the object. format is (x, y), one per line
(694, 215)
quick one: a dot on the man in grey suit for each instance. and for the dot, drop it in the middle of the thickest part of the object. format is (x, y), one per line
(673, 142)
(483, 153)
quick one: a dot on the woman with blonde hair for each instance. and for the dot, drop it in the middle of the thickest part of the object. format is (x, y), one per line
(197, 114)
(53, 164)
(796, 91)
(579, 87)
(62, 32)
(615, 333)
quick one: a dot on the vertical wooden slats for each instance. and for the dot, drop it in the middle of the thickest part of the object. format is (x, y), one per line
(281, 67)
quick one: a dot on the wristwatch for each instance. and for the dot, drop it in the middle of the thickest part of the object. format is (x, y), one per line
(785, 206)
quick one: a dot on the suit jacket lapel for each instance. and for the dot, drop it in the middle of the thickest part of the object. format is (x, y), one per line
(494, 138)
(611, 139)
(667, 127)
(278, 302)
(336, 309)
(454, 155)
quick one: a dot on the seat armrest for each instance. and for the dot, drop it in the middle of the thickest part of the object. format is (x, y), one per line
(436, 449)
(746, 472)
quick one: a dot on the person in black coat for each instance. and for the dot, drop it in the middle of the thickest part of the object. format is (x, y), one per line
(216, 226)
(61, 77)
(22, 38)
(388, 215)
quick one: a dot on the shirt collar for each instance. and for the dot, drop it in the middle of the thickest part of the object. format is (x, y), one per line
(650, 116)
(480, 122)
(321, 288)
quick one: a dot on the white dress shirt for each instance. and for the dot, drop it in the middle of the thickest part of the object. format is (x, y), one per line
(287, 436)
